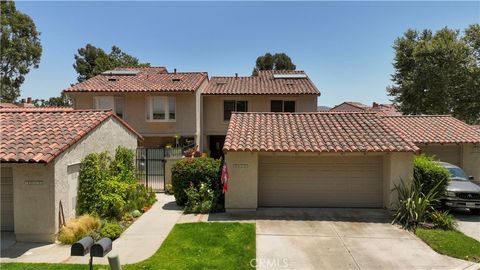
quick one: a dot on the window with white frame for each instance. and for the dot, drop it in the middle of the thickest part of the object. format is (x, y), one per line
(161, 109)
(115, 104)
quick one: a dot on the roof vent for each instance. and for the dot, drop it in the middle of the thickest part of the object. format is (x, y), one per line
(112, 79)
(290, 76)
(176, 79)
(221, 83)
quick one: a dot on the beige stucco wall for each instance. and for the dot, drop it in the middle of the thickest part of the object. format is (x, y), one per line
(397, 167)
(168, 169)
(242, 191)
(33, 198)
(471, 161)
(213, 123)
(243, 169)
(106, 137)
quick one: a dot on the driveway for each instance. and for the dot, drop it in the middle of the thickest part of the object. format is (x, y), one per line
(337, 239)
(468, 223)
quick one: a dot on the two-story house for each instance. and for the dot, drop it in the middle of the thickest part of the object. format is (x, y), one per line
(162, 106)
(269, 91)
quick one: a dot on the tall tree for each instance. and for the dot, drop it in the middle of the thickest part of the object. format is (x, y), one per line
(91, 61)
(437, 73)
(20, 49)
(278, 61)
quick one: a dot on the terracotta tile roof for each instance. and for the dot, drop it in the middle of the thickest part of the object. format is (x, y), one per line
(41, 135)
(349, 106)
(313, 132)
(262, 84)
(35, 109)
(384, 109)
(7, 105)
(148, 79)
(433, 129)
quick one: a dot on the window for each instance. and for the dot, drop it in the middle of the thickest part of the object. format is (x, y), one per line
(282, 106)
(110, 103)
(161, 109)
(230, 106)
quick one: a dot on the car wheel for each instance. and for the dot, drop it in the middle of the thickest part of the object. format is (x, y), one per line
(475, 211)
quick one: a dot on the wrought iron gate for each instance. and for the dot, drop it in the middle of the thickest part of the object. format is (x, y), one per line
(151, 167)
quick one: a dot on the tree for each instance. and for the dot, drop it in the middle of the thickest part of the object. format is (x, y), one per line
(278, 61)
(438, 73)
(91, 61)
(61, 101)
(20, 49)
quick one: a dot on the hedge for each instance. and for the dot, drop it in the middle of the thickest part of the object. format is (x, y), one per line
(428, 172)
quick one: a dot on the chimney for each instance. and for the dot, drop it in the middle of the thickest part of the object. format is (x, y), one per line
(175, 71)
(27, 102)
(236, 75)
(374, 105)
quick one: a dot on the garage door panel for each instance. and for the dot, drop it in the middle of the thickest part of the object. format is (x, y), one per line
(6, 209)
(320, 182)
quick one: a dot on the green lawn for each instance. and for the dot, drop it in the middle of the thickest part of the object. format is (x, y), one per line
(216, 245)
(451, 243)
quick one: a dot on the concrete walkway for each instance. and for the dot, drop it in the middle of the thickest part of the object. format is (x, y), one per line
(468, 223)
(335, 239)
(139, 242)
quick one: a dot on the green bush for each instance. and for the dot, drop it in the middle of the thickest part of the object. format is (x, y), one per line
(94, 172)
(195, 171)
(430, 174)
(443, 220)
(200, 200)
(77, 228)
(413, 206)
(112, 230)
(108, 188)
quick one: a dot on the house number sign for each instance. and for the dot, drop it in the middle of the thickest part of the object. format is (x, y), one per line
(240, 166)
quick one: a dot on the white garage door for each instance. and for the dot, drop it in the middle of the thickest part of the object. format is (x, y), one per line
(292, 181)
(6, 199)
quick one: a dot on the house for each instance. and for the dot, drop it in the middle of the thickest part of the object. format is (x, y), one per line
(323, 108)
(269, 91)
(162, 106)
(444, 136)
(316, 159)
(352, 106)
(40, 155)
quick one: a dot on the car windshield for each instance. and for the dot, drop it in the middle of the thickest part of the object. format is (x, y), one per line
(457, 174)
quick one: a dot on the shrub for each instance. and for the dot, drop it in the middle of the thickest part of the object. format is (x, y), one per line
(136, 213)
(123, 165)
(140, 197)
(112, 200)
(200, 200)
(112, 230)
(430, 174)
(443, 220)
(94, 172)
(78, 228)
(195, 171)
(413, 205)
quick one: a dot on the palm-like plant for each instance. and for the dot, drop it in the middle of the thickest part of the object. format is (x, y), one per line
(413, 206)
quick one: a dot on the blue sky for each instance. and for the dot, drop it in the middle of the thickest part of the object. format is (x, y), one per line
(345, 47)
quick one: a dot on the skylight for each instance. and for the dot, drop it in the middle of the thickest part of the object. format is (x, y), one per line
(120, 72)
(290, 76)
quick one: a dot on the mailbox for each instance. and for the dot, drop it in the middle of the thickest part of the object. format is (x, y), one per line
(82, 247)
(101, 248)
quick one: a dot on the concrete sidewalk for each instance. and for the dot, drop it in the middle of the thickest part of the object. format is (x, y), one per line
(139, 242)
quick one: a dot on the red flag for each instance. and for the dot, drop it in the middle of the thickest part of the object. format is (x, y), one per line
(224, 177)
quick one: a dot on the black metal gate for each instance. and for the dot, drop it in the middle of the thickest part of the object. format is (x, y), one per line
(151, 167)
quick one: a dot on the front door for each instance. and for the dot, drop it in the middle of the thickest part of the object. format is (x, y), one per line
(216, 146)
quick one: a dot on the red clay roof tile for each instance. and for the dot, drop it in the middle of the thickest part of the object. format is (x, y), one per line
(262, 84)
(441, 129)
(41, 135)
(148, 79)
(313, 132)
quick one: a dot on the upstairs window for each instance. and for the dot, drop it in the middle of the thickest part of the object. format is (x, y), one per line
(230, 106)
(161, 109)
(115, 104)
(282, 106)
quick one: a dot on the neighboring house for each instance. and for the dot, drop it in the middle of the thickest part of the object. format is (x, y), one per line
(351, 106)
(7, 105)
(40, 155)
(158, 104)
(444, 136)
(323, 108)
(477, 127)
(318, 159)
(269, 91)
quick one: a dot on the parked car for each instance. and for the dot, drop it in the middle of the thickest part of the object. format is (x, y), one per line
(461, 192)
